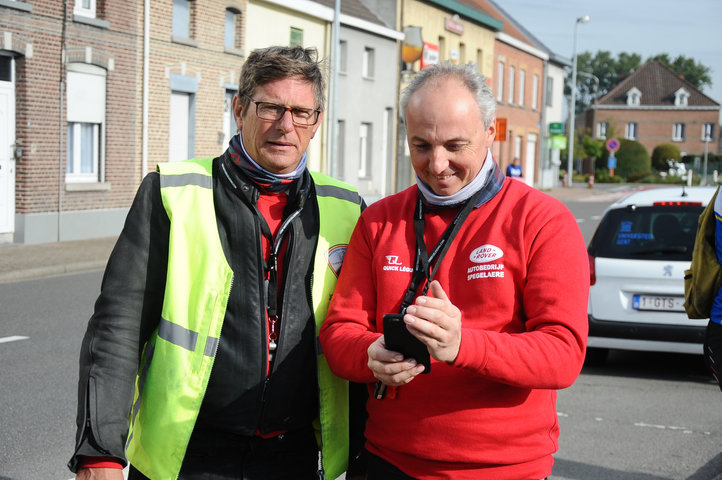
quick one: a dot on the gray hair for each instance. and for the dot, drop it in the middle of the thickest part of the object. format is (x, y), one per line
(272, 63)
(467, 74)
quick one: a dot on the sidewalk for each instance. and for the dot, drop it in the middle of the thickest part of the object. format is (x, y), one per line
(25, 262)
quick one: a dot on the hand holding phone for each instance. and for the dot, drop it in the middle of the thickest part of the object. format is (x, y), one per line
(398, 338)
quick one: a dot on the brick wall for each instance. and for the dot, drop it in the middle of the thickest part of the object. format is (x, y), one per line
(40, 103)
(520, 120)
(114, 41)
(655, 127)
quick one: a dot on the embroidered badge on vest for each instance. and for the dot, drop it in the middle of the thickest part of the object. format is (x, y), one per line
(335, 256)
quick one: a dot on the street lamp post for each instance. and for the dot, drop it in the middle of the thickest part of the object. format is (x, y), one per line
(706, 149)
(572, 107)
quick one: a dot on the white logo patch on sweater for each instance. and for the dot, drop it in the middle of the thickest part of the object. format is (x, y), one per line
(482, 256)
(486, 253)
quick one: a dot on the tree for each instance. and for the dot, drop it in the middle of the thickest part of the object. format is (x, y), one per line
(607, 69)
(664, 152)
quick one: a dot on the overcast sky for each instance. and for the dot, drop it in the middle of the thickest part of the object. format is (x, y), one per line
(692, 28)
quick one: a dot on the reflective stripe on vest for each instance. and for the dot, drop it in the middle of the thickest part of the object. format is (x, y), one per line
(177, 360)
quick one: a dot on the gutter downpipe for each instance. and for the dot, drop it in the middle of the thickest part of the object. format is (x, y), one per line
(146, 63)
(60, 120)
(544, 162)
(333, 89)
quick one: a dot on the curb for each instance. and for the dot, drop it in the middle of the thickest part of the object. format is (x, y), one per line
(51, 270)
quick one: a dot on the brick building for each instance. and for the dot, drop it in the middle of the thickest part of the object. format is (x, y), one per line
(94, 93)
(68, 127)
(518, 86)
(655, 105)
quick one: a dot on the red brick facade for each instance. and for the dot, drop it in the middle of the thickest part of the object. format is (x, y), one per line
(657, 99)
(46, 38)
(521, 120)
(40, 115)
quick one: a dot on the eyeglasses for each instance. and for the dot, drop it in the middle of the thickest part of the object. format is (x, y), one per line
(270, 111)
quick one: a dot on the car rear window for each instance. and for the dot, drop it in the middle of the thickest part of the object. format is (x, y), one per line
(647, 233)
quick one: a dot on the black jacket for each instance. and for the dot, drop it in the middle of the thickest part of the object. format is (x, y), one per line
(240, 399)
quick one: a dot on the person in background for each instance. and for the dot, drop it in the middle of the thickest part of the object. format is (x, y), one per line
(200, 360)
(514, 169)
(491, 276)
(713, 336)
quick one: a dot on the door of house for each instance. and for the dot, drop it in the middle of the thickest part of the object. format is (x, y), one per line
(7, 157)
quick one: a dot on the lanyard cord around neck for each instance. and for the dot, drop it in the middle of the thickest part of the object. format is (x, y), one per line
(423, 259)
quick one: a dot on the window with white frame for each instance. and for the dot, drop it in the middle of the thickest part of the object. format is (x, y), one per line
(368, 62)
(681, 97)
(602, 128)
(182, 18)
(365, 143)
(512, 74)
(630, 132)
(86, 123)
(500, 82)
(535, 92)
(550, 91)
(517, 146)
(634, 96)
(342, 56)
(522, 86)
(708, 132)
(85, 8)
(232, 38)
(678, 132)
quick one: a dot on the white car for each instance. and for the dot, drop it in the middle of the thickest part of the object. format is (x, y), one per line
(637, 259)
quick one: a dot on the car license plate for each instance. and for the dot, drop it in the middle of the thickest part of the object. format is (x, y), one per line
(658, 303)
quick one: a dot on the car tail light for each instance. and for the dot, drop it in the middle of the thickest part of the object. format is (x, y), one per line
(592, 272)
(678, 204)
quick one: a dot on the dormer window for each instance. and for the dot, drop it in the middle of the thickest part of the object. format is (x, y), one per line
(634, 97)
(681, 97)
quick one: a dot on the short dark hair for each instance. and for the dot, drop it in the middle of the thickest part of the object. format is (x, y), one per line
(266, 64)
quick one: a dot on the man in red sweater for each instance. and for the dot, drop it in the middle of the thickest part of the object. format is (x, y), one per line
(491, 276)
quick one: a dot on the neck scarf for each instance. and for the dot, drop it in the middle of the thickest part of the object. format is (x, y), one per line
(272, 182)
(466, 192)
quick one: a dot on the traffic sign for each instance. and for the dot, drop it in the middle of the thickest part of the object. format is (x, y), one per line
(612, 144)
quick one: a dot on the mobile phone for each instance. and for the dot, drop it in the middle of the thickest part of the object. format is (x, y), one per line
(399, 339)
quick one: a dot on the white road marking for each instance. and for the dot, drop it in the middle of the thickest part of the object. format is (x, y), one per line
(14, 338)
(665, 427)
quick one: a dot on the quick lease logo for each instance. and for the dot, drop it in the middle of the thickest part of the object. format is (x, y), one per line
(482, 256)
(394, 265)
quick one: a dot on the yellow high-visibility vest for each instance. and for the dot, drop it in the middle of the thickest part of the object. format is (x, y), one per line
(177, 360)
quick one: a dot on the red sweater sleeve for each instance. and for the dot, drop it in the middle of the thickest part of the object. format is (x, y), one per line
(554, 297)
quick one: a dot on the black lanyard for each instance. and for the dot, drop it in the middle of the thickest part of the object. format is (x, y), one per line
(422, 264)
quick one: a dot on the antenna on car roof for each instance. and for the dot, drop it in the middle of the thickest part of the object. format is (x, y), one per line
(684, 193)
